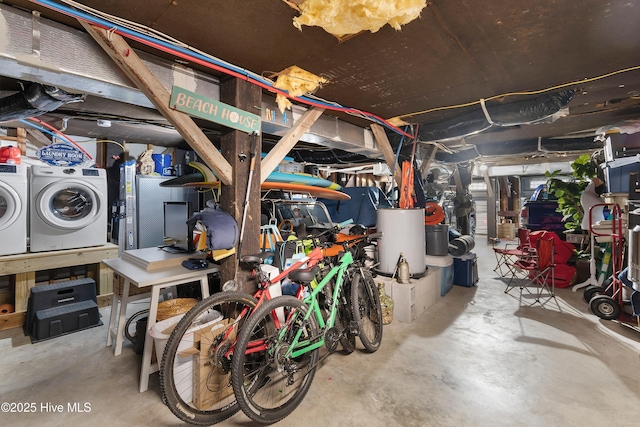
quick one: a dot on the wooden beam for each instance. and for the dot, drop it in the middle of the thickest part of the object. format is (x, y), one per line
(288, 141)
(37, 138)
(387, 150)
(123, 55)
(458, 180)
(485, 174)
(427, 163)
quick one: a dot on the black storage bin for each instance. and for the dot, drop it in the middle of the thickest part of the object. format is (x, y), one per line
(465, 270)
(61, 308)
(53, 322)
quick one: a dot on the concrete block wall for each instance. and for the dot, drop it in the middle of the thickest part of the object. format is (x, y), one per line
(412, 299)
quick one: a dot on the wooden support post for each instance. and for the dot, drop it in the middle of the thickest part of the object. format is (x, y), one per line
(24, 283)
(387, 150)
(236, 147)
(125, 57)
(458, 180)
(288, 141)
(20, 135)
(487, 181)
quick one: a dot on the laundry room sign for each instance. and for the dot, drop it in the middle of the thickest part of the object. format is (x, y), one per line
(215, 111)
(61, 154)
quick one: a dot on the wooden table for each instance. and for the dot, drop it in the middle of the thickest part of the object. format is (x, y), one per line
(155, 280)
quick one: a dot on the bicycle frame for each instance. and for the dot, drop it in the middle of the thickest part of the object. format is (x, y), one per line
(262, 294)
(299, 347)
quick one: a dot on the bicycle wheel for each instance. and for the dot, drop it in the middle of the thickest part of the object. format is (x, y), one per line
(195, 372)
(270, 389)
(366, 310)
(343, 318)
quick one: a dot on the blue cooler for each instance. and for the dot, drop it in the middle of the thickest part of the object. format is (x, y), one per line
(465, 270)
(442, 265)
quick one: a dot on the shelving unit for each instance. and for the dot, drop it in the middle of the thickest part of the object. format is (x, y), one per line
(25, 266)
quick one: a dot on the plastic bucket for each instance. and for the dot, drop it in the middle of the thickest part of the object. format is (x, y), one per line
(437, 239)
(162, 163)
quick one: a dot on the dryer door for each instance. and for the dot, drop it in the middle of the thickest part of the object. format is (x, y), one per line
(9, 206)
(68, 204)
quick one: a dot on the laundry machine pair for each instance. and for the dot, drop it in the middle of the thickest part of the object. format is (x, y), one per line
(68, 208)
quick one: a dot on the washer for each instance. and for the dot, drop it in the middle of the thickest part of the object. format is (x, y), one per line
(68, 208)
(14, 201)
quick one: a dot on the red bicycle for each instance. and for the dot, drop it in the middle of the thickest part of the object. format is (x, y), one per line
(195, 371)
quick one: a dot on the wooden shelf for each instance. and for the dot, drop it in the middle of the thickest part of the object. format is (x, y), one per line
(24, 267)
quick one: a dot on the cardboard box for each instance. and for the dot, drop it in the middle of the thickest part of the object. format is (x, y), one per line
(507, 230)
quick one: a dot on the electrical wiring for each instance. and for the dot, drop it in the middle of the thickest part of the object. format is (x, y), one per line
(522, 93)
(191, 54)
(124, 149)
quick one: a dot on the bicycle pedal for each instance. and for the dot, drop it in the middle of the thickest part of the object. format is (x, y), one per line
(353, 328)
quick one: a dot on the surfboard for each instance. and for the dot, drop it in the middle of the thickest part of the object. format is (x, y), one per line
(322, 192)
(302, 178)
(325, 193)
(204, 174)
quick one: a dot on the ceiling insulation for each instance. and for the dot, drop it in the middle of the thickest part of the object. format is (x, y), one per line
(343, 17)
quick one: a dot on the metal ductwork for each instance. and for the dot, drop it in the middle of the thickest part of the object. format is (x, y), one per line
(502, 115)
(34, 101)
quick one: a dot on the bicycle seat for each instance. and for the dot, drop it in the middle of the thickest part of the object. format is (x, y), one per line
(256, 259)
(304, 275)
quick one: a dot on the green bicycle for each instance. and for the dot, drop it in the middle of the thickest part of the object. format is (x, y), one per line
(289, 353)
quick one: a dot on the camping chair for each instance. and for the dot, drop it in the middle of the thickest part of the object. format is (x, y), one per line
(539, 267)
(505, 256)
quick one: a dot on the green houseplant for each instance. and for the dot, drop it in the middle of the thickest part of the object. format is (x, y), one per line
(568, 192)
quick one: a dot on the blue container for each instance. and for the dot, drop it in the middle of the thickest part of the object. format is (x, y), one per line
(162, 164)
(443, 264)
(465, 270)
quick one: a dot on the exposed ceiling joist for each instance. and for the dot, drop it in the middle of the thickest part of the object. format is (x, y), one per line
(119, 50)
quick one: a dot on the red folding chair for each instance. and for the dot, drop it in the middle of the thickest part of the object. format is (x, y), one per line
(539, 268)
(505, 256)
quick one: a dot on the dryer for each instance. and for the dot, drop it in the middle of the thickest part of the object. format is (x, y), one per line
(14, 201)
(68, 208)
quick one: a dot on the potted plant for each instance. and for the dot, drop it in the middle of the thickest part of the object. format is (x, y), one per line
(568, 192)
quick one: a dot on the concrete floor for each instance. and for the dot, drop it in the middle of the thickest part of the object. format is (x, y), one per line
(476, 358)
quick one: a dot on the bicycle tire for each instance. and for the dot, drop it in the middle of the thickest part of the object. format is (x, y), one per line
(269, 392)
(366, 310)
(136, 316)
(343, 318)
(213, 400)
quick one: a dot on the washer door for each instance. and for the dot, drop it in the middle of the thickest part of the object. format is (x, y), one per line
(68, 204)
(10, 206)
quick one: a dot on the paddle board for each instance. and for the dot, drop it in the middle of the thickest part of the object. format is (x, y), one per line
(302, 178)
(325, 193)
(322, 192)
